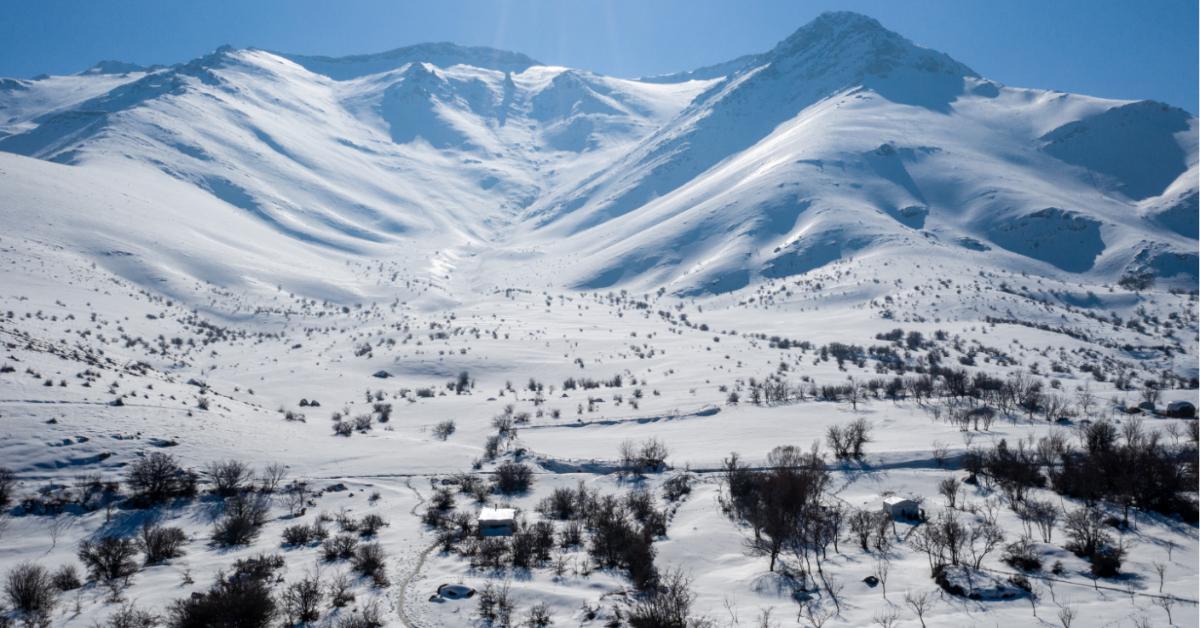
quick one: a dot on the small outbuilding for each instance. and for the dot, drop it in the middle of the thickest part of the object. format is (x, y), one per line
(898, 507)
(497, 521)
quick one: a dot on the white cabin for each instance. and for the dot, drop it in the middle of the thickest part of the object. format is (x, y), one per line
(898, 507)
(497, 521)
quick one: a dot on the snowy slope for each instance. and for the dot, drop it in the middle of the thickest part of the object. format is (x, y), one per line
(417, 151)
(843, 140)
(847, 140)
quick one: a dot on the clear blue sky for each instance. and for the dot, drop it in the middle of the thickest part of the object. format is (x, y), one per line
(1113, 48)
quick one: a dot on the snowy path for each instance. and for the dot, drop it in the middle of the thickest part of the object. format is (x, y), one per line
(401, 607)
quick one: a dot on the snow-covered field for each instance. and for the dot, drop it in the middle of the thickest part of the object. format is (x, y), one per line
(469, 259)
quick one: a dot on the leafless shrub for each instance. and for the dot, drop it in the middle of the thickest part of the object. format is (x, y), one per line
(302, 599)
(920, 604)
(130, 616)
(244, 516)
(443, 430)
(161, 543)
(270, 478)
(31, 592)
(157, 477)
(669, 604)
(228, 477)
(369, 560)
(109, 559)
(66, 578)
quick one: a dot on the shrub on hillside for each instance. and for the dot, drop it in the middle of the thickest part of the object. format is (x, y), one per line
(31, 592)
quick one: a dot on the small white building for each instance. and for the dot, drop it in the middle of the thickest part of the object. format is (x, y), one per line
(497, 521)
(898, 507)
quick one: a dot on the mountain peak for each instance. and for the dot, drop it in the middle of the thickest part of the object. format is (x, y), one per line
(860, 43)
(847, 19)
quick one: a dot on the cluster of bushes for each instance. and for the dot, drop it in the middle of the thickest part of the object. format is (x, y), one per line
(618, 531)
(620, 540)
(587, 383)
(1014, 470)
(948, 541)
(298, 535)
(1132, 468)
(529, 546)
(242, 598)
(1089, 538)
(109, 560)
(245, 598)
(782, 503)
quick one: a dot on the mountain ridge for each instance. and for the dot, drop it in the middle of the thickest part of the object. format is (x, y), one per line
(843, 139)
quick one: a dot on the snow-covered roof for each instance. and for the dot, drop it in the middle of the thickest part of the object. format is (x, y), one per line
(896, 500)
(497, 514)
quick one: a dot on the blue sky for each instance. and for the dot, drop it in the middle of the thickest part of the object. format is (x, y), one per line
(1110, 48)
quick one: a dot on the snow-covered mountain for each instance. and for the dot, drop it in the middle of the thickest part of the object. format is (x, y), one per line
(844, 140)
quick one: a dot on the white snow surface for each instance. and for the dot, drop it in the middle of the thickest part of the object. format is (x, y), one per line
(254, 228)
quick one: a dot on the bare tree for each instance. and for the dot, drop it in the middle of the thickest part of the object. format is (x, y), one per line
(887, 617)
(941, 452)
(949, 489)
(1173, 430)
(764, 618)
(271, 477)
(1086, 400)
(815, 613)
(58, 525)
(983, 539)
(1042, 513)
(629, 457)
(1066, 616)
(1166, 602)
(834, 588)
(920, 604)
(1161, 570)
(882, 565)
(297, 495)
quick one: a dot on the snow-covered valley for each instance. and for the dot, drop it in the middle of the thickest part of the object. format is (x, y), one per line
(399, 288)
